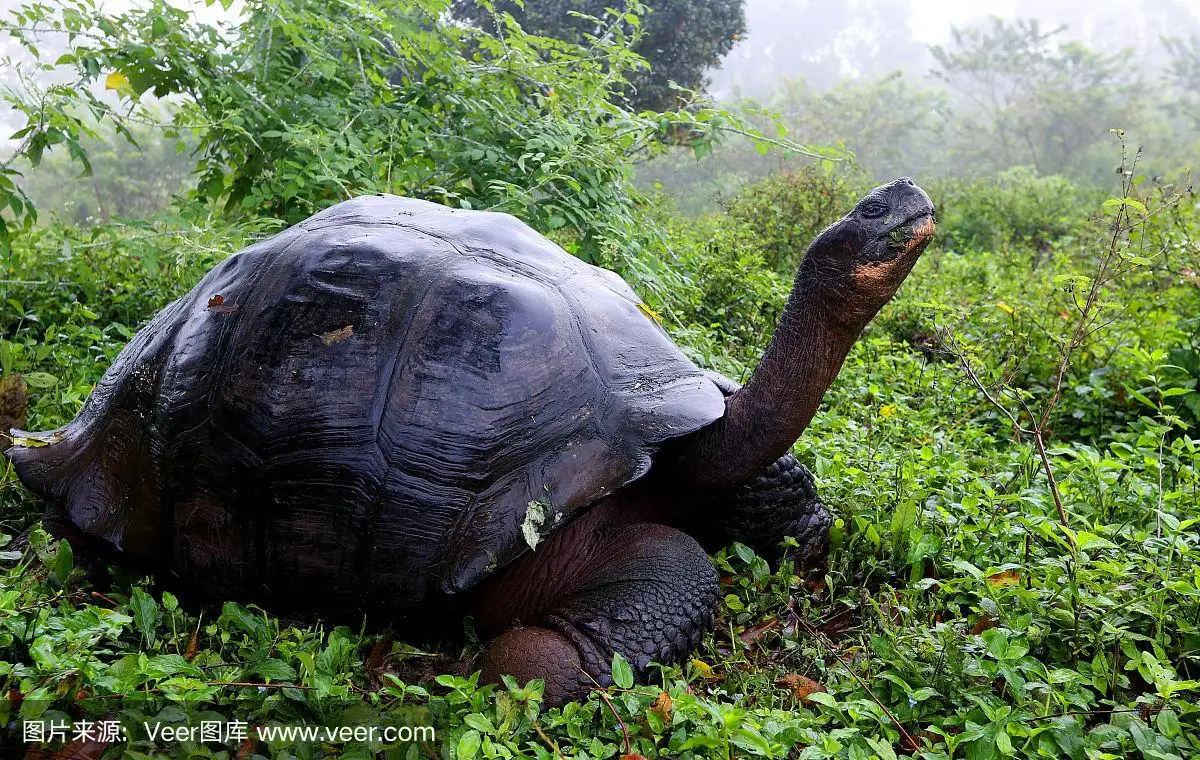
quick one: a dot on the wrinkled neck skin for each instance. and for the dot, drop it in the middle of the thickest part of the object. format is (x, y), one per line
(823, 318)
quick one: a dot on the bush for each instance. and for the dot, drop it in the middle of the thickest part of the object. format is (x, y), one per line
(1016, 208)
(302, 104)
(784, 212)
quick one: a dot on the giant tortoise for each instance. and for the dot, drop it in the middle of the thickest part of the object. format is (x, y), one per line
(414, 413)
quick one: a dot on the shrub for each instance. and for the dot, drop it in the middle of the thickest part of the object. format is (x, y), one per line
(1016, 208)
(301, 104)
(784, 212)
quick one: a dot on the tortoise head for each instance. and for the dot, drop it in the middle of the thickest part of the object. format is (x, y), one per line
(858, 262)
(847, 275)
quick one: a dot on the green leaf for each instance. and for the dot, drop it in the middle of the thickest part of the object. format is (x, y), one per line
(1130, 202)
(997, 642)
(882, 749)
(41, 380)
(146, 615)
(1084, 539)
(479, 722)
(1069, 737)
(622, 672)
(823, 698)
(274, 670)
(1004, 744)
(64, 562)
(904, 519)
(243, 619)
(701, 740)
(166, 665)
(1168, 722)
(468, 745)
(968, 568)
(745, 553)
(748, 738)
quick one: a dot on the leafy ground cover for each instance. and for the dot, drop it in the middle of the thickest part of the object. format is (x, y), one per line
(960, 616)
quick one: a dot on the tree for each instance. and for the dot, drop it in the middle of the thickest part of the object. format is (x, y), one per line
(1183, 73)
(893, 124)
(1034, 99)
(128, 180)
(890, 126)
(301, 104)
(681, 40)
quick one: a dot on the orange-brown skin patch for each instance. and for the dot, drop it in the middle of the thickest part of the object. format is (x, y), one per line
(921, 232)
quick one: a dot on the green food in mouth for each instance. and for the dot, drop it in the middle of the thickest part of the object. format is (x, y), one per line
(900, 237)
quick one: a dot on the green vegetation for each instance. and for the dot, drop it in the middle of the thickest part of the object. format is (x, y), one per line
(301, 105)
(1011, 449)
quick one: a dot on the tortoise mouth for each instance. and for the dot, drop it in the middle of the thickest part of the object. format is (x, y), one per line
(919, 231)
(906, 238)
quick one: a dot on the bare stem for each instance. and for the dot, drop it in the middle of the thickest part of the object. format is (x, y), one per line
(1049, 470)
(820, 638)
(1084, 328)
(621, 723)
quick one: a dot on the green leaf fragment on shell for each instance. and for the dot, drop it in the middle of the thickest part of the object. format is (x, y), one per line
(535, 515)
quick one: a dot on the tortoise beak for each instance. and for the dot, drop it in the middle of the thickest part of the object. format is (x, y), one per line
(920, 232)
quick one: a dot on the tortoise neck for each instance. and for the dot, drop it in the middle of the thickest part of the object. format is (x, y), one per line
(765, 417)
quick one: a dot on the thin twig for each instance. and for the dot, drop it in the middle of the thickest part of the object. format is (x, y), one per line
(546, 738)
(621, 723)
(260, 685)
(1158, 510)
(98, 595)
(1082, 712)
(912, 743)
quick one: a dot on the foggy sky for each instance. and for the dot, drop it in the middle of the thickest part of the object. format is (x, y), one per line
(824, 40)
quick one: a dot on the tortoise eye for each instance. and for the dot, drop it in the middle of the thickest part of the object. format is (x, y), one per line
(872, 209)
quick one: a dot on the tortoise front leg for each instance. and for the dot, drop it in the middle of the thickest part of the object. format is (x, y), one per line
(645, 590)
(781, 502)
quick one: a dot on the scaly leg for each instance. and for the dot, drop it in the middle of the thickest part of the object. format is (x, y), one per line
(781, 502)
(642, 589)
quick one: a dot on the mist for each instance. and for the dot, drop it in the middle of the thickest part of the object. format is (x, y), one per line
(820, 41)
(885, 88)
(931, 88)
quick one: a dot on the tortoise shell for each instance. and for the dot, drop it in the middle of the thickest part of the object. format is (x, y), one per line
(386, 402)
